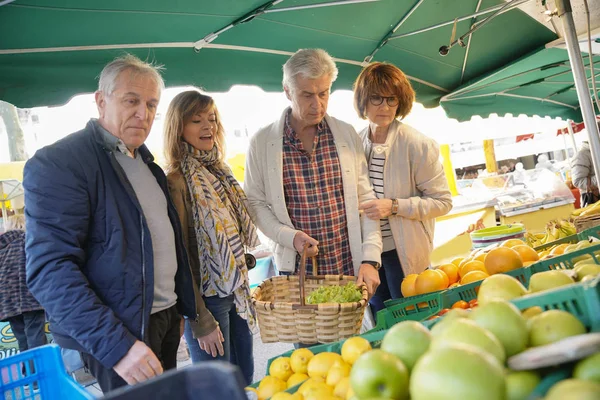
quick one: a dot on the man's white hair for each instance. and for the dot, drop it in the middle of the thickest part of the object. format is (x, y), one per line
(311, 64)
(128, 62)
(15, 223)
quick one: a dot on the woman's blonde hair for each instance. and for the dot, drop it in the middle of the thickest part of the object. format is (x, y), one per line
(181, 110)
(15, 223)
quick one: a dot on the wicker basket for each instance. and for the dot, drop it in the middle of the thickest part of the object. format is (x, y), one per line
(583, 223)
(283, 315)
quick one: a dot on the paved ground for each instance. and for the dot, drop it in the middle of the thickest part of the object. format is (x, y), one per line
(262, 354)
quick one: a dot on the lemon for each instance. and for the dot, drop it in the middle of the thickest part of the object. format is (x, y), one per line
(282, 396)
(321, 363)
(296, 379)
(299, 360)
(350, 394)
(318, 391)
(310, 383)
(354, 348)
(341, 389)
(281, 368)
(338, 371)
(269, 386)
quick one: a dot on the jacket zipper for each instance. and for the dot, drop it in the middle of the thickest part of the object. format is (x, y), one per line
(143, 279)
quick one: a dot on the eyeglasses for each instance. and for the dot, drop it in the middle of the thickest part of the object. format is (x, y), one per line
(378, 100)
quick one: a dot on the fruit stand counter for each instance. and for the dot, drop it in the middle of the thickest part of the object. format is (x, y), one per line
(452, 231)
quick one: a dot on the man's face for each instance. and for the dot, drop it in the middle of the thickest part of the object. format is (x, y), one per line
(309, 98)
(128, 112)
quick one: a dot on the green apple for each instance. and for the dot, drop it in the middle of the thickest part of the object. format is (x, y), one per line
(574, 389)
(588, 369)
(504, 321)
(583, 270)
(549, 280)
(407, 340)
(455, 313)
(458, 371)
(379, 374)
(468, 332)
(520, 384)
(552, 326)
(500, 286)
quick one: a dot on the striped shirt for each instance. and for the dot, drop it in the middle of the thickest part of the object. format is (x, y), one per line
(314, 196)
(376, 164)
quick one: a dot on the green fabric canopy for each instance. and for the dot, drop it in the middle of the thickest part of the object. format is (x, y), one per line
(540, 83)
(51, 50)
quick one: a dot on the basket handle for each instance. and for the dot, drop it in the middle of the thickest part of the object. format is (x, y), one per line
(302, 273)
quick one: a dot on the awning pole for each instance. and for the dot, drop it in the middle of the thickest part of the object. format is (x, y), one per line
(572, 134)
(565, 12)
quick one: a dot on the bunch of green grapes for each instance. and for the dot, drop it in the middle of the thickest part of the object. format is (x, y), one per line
(335, 294)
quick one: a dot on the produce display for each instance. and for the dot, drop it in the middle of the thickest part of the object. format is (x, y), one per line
(335, 294)
(472, 349)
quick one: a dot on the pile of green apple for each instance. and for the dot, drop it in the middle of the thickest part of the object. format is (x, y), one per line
(463, 357)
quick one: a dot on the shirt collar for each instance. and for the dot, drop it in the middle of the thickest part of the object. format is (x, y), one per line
(289, 132)
(113, 142)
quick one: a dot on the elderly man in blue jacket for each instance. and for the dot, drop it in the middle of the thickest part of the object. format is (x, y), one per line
(105, 256)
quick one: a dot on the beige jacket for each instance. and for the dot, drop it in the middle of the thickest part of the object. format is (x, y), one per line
(263, 185)
(414, 175)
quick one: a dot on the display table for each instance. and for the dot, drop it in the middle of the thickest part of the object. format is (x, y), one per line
(535, 219)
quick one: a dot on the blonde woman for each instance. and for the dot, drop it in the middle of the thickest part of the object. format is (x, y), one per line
(212, 208)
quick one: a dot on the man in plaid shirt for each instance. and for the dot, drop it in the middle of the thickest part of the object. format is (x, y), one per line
(306, 176)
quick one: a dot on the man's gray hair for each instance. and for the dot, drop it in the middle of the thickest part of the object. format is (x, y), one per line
(128, 62)
(310, 63)
(15, 223)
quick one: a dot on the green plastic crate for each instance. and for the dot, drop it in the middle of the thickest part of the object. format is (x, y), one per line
(422, 307)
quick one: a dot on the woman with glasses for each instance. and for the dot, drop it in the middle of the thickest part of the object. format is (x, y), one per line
(406, 174)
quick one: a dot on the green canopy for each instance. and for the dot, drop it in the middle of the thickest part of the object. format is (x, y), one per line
(540, 83)
(51, 50)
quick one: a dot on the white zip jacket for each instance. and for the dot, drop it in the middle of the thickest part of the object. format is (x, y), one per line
(414, 175)
(263, 184)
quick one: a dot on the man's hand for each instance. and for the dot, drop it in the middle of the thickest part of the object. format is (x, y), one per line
(139, 364)
(212, 343)
(300, 239)
(377, 209)
(181, 327)
(368, 275)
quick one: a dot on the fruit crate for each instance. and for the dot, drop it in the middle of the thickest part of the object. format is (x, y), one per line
(421, 307)
(586, 234)
(567, 261)
(39, 374)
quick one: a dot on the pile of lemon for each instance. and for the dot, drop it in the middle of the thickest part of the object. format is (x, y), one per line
(324, 376)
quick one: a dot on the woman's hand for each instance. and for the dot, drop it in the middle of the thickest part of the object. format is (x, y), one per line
(377, 209)
(212, 343)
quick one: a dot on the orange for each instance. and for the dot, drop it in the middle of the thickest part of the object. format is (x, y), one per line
(451, 271)
(502, 259)
(455, 284)
(429, 281)
(481, 257)
(407, 287)
(560, 249)
(527, 253)
(457, 261)
(473, 276)
(512, 243)
(471, 266)
(463, 262)
(444, 276)
(528, 263)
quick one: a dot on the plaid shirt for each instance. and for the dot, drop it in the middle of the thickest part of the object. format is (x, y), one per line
(314, 196)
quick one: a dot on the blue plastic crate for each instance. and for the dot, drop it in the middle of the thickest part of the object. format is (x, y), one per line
(38, 374)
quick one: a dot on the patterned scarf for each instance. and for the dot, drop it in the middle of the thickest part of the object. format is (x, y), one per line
(223, 227)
